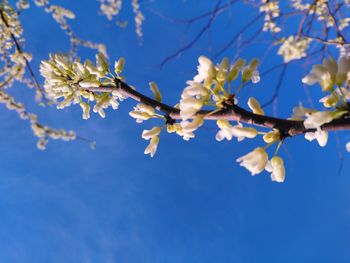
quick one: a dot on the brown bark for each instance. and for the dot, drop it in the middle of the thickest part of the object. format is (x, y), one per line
(230, 112)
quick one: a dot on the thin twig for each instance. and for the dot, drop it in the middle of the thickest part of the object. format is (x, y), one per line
(278, 86)
(197, 37)
(193, 19)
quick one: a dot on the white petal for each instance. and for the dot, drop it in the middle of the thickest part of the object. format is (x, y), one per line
(348, 146)
(321, 137)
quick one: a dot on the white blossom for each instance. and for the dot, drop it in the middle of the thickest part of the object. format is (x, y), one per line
(152, 147)
(86, 110)
(317, 119)
(329, 73)
(276, 168)
(227, 131)
(320, 135)
(331, 100)
(300, 112)
(148, 134)
(142, 112)
(192, 99)
(153, 136)
(206, 69)
(255, 161)
(188, 127)
(343, 70)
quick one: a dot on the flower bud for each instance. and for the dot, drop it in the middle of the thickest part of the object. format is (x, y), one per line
(156, 92)
(119, 65)
(255, 106)
(271, 136)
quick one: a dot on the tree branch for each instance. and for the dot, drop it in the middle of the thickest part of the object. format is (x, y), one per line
(19, 49)
(230, 112)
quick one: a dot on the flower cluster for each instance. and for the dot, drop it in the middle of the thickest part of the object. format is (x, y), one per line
(299, 5)
(13, 65)
(12, 60)
(258, 161)
(111, 9)
(138, 17)
(293, 48)
(322, 12)
(319, 8)
(212, 87)
(193, 98)
(43, 132)
(272, 11)
(72, 82)
(331, 75)
(59, 13)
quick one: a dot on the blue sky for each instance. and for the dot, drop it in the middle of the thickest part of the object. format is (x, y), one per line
(191, 202)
